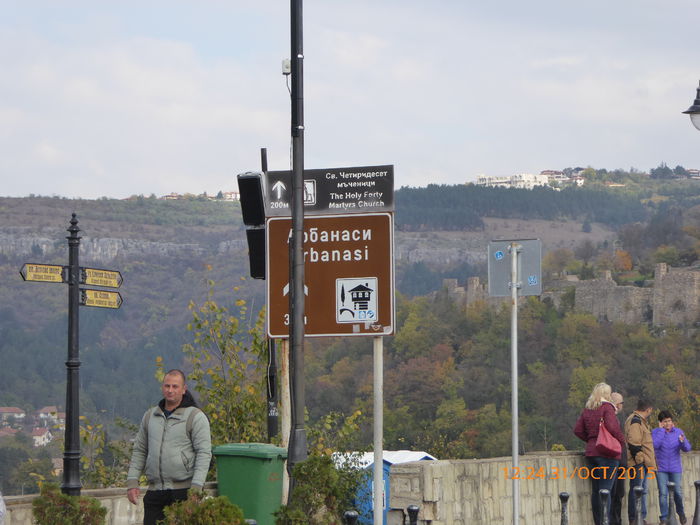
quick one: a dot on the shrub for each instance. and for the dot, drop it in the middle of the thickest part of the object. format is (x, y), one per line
(322, 492)
(199, 509)
(52, 507)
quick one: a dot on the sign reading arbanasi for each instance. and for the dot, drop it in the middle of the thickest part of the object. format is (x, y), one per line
(349, 275)
(334, 190)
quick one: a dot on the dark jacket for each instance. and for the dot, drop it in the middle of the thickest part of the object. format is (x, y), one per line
(588, 423)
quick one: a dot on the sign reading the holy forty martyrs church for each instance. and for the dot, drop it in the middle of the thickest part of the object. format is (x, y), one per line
(360, 189)
(348, 275)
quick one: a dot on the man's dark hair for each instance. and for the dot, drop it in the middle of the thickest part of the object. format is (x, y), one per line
(664, 414)
(177, 371)
(643, 404)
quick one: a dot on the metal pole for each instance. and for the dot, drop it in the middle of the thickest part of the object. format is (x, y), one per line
(71, 452)
(514, 286)
(285, 411)
(564, 498)
(378, 507)
(272, 411)
(297, 445)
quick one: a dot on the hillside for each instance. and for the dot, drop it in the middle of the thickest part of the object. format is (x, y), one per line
(168, 252)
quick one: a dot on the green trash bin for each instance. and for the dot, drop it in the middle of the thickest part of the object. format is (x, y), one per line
(250, 476)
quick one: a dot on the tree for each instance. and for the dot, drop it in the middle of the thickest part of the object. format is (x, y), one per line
(585, 251)
(228, 362)
(555, 261)
(661, 172)
(667, 254)
(623, 261)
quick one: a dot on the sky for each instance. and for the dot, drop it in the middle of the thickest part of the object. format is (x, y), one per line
(101, 98)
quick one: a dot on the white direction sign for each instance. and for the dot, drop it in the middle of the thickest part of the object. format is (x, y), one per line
(361, 189)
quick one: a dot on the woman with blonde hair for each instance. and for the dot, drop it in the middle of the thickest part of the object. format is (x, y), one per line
(600, 410)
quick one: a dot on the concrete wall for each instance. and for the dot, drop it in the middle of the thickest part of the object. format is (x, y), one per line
(478, 492)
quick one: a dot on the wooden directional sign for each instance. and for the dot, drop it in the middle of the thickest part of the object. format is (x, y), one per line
(100, 298)
(97, 277)
(46, 273)
(349, 275)
(362, 189)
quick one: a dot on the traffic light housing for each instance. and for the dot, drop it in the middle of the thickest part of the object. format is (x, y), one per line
(250, 190)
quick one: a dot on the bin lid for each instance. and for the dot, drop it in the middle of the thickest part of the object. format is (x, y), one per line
(251, 450)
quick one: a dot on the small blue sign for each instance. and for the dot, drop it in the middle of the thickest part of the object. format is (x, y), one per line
(532, 280)
(499, 255)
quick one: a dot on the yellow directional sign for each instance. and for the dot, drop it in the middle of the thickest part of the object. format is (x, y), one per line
(47, 273)
(100, 298)
(97, 277)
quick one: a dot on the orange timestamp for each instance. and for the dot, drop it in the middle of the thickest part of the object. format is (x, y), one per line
(574, 473)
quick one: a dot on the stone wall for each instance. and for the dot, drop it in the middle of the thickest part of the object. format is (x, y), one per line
(676, 297)
(673, 300)
(606, 300)
(478, 492)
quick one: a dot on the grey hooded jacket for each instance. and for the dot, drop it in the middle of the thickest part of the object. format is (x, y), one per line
(172, 456)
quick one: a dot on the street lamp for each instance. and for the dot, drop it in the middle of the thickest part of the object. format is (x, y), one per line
(694, 111)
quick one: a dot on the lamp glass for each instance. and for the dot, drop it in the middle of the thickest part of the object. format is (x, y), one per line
(695, 119)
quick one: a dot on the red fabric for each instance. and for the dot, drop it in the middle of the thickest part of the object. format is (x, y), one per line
(587, 427)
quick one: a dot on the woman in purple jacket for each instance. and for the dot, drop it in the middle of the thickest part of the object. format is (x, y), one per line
(668, 443)
(602, 468)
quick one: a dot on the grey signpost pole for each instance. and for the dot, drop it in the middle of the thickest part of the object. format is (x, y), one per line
(521, 277)
(514, 288)
(378, 431)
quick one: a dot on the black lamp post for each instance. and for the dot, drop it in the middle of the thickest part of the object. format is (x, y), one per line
(694, 111)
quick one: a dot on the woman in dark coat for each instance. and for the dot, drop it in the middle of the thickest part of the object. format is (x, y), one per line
(602, 467)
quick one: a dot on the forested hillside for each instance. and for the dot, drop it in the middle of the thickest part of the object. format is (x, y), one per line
(447, 368)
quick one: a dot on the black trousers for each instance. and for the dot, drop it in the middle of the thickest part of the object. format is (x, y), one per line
(155, 501)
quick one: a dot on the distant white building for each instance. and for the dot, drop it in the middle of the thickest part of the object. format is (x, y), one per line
(11, 414)
(41, 437)
(525, 181)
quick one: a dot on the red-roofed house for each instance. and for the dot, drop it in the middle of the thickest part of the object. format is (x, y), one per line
(11, 414)
(7, 432)
(41, 437)
(47, 416)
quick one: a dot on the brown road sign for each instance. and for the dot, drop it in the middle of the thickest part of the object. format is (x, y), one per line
(97, 277)
(100, 298)
(349, 275)
(47, 273)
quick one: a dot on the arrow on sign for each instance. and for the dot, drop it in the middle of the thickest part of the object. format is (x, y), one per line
(280, 188)
(285, 290)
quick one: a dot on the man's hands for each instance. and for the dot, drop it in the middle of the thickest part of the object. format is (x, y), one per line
(133, 495)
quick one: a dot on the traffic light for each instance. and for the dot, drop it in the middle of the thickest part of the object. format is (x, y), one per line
(253, 211)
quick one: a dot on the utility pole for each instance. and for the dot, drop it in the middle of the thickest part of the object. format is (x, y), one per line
(297, 441)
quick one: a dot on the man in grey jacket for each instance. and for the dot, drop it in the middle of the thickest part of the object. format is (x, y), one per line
(173, 447)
